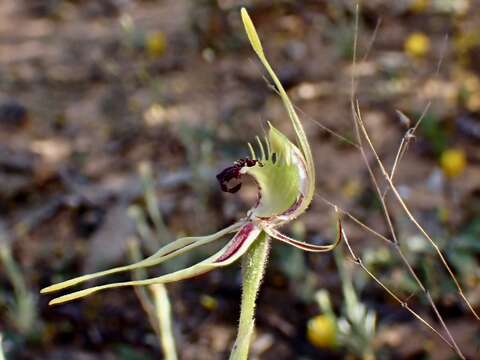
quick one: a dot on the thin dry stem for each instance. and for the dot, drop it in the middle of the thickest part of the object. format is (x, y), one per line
(355, 219)
(310, 118)
(357, 260)
(358, 125)
(372, 39)
(396, 246)
(359, 130)
(407, 138)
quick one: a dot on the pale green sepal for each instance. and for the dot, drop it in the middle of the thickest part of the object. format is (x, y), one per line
(168, 251)
(251, 33)
(205, 266)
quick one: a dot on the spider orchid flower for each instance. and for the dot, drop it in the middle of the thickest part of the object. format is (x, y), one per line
(285, 176)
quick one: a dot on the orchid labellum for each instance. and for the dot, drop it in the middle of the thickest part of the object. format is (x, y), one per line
(285, 177)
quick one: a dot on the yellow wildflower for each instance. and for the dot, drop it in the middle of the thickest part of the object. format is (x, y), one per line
(155, 44)
(453, 162)
(419, 6)
(322, 331)
(417, 45)
(208, 302)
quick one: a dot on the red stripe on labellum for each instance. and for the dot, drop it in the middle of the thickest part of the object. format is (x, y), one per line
(287, 212)
(237, 242)
(294, 207)
(304, 245)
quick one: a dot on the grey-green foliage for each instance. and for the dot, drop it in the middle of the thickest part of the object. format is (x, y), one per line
(22, 307)
(155, 299)
(356, 325)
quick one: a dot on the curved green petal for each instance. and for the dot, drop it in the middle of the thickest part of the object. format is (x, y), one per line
(168, 251)
(235, 248)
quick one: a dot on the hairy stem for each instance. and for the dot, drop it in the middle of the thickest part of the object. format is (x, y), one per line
(253, 267)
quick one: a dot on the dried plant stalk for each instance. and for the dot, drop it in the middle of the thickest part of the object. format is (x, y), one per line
(361, 134)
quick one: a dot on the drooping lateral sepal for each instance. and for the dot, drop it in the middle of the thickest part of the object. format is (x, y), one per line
(234, 249)
(166, 252)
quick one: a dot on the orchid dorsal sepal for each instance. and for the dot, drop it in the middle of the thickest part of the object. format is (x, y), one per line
(168, 251)
(294, 119)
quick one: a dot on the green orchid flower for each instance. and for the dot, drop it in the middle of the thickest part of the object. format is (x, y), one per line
(285, 176)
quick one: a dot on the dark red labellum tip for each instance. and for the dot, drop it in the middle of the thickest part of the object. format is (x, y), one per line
(233, 172)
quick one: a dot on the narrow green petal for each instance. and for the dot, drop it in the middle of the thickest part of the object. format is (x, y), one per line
(303, 245)
(235, 248)
(168, 251)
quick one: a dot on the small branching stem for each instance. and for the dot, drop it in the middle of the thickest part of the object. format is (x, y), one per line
(253, 268)
(361, 134)
(357, 260)
(359, 131)
(359, 121)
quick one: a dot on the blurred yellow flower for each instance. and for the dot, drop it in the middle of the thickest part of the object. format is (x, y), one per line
(469, 90)
(453, 162)
(443, 214)
(419, 6)
(351, 189)
(208, 302)
(322, 331)
(155, 44)
(417, 45)
(464, 41)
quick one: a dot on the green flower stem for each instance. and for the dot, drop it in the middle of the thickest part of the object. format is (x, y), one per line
(253, 267)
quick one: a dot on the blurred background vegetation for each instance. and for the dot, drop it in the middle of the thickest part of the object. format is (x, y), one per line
(93, 93)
